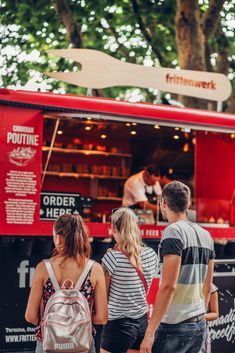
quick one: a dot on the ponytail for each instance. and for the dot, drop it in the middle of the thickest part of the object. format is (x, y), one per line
(76, 237)
(126, 224)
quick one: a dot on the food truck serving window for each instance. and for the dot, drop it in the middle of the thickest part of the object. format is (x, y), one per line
(94, 157)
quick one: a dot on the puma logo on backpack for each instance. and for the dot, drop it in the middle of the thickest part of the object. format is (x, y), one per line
(66, 325)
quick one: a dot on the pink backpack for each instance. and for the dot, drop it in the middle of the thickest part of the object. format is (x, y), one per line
(66, 325)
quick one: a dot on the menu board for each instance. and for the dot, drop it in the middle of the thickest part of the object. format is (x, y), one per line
(20, 171)
(54, 204)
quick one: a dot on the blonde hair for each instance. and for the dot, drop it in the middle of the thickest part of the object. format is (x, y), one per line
(125, 222)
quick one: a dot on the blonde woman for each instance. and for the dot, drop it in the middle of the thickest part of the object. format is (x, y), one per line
(129, 269)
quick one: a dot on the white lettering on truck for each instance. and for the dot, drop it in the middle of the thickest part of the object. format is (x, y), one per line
(25, 274)
(59, 201)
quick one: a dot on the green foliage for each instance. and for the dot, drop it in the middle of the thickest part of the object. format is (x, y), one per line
(133, 30)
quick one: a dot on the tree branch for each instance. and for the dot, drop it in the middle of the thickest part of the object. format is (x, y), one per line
(223, 63)
(121, 47)
(72, 27)
(73, 30)
(146, 33)
(212, 17)
(208, 57)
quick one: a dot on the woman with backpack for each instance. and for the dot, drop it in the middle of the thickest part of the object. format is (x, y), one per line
(68, 266)
(129, 270)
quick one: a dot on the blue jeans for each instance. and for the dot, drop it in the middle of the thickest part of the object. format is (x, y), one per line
(180, 338)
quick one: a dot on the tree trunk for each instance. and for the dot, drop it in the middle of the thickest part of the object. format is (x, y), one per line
(72, 27)
(190, 41)
(211, 18)
(230, 108)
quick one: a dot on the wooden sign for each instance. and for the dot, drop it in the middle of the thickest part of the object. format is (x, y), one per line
(99, 70)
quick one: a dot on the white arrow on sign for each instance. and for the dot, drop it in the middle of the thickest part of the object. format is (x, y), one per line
(100, 70)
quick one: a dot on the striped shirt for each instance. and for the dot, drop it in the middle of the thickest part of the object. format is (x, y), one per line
(195, 246)
(127, 296)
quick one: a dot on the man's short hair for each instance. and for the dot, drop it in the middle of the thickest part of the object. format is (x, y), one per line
(177, 196)
(152, 169)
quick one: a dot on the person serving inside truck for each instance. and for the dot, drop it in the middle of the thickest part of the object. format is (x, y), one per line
(141, 189)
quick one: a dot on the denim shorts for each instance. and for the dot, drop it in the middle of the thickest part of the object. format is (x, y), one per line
(120, 335)
(180, 338)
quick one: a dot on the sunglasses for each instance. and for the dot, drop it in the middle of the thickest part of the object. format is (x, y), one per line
(112, 212)
(160, 200)
(116, 209)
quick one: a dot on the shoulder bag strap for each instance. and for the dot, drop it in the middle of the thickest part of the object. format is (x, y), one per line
(84, 274)
(140, 274)
(51, 274)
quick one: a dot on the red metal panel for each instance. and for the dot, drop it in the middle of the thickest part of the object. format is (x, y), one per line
(20, 175)
(102, 230)
(215, 176)
(119, 108)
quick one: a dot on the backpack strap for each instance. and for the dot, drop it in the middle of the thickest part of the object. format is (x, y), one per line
(51, 274)
(84, 274)
(139, 273)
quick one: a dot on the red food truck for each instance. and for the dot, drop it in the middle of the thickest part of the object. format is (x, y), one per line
(68, 153)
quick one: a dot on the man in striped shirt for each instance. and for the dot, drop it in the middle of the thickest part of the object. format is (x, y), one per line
(186, 255)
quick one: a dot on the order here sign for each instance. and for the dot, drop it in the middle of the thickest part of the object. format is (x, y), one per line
(55, 204)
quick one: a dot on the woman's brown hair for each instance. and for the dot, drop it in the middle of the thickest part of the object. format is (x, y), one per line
(76, 237)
